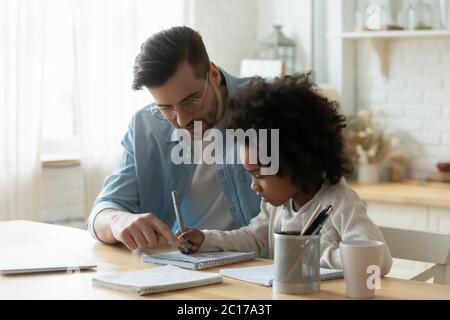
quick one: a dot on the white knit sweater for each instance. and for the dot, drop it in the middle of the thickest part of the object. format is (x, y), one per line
(349, 221)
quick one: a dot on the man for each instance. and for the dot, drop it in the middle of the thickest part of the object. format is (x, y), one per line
(134, 206)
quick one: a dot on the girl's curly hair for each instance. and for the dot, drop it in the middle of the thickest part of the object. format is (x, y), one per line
(311, 146)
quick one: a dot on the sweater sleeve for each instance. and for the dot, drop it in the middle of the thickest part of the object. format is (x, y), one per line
(253, 237)
(351, 222)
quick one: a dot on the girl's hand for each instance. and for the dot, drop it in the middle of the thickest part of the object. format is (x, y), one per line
(192, 238)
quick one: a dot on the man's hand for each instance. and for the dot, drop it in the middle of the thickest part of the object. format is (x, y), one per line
(136, 230)
(192, 238)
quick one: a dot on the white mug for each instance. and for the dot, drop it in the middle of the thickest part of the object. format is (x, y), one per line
(361, 261)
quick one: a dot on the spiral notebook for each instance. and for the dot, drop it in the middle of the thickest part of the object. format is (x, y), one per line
(154, 280)
(199, 260)
(263, 275)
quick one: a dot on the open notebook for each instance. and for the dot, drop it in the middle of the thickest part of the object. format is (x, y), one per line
(199, 260)
(263, 275)
(156, 280)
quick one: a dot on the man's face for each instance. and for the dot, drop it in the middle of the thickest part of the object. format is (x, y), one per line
(184, 86)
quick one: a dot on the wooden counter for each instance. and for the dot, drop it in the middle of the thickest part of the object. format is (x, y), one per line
(409, 192)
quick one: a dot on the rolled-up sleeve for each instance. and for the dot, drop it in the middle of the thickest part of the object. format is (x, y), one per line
(120, 189)
(253, 237)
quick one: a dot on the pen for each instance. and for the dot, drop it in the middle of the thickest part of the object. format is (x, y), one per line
(320, 226)
(319, 220)
(176, 206)
(311, 219)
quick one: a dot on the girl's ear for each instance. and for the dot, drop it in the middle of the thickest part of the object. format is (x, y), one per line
(214, 75)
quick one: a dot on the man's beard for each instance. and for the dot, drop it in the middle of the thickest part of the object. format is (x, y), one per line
(214, 116)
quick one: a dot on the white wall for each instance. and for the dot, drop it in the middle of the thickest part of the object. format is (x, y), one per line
(231, 29)
(296, 18)
(415, 98)
(228, 29)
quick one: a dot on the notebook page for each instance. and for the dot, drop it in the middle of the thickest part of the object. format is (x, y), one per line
(198, 257)
(330, 274)
(159, 276)
(263, 275)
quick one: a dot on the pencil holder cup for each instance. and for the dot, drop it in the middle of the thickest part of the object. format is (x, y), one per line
(297, 263)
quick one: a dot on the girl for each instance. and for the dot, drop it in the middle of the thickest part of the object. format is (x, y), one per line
(311, 169)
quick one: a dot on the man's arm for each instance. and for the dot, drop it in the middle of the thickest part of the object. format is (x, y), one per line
(102, 225)
(114, 217)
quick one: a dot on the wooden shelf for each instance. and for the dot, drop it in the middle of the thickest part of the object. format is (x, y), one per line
(60, 160)
(391, 34)
(379, 41)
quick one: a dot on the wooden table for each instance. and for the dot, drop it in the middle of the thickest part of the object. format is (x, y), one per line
(117, 259)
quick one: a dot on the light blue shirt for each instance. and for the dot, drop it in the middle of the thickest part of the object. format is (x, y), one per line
(145, 174)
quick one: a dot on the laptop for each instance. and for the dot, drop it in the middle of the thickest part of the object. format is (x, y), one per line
(19, 259)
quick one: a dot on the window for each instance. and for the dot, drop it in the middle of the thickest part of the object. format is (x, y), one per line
(138, 19)
(61, 125)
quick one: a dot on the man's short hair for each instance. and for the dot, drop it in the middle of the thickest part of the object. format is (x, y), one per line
(164, 51)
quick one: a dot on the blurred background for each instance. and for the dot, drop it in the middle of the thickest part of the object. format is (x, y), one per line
(66, 98)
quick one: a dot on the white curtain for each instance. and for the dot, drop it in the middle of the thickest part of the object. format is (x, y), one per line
(22, 61)
(108, 38)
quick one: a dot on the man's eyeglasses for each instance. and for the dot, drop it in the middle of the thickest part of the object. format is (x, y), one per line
(169, 112)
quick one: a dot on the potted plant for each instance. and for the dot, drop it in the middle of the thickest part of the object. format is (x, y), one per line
(370, 148)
